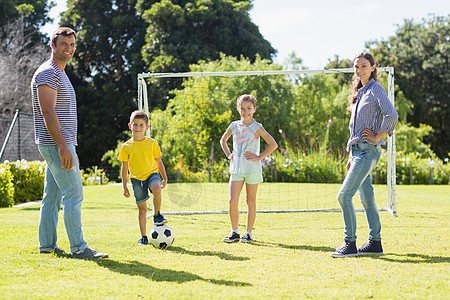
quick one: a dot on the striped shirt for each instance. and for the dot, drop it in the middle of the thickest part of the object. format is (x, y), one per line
(243, 141)
(66, 106)
(372, 110)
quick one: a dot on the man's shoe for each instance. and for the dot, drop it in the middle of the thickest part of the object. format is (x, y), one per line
(57, 250)
(143, 241)
(371, 247)
(347, 249)
(89, 253)
(232, 238)
(159, 220)
(246, 238)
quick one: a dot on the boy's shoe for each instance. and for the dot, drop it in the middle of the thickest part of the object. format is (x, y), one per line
(232, 238)
(347, 249)
(143, 241)
(89, 253)
(371, 248)
(246, 238)
(57, 250)
(159, 220)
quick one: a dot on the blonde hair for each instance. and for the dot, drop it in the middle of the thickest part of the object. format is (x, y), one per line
(246, 98)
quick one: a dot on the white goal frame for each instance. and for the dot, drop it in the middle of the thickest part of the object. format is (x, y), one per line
(391, 205)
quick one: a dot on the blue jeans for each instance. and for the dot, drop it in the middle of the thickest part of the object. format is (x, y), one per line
(61, 186)
(364, 157)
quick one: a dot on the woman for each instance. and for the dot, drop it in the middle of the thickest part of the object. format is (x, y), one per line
(373, 116)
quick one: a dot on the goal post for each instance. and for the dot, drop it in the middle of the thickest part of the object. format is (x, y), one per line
(391, 205)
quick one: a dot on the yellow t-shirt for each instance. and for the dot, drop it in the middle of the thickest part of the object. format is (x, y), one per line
(141, 157)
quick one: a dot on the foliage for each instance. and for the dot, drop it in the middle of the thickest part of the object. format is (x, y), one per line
(34, 14)
(419, 51)
(415, 168)
(28, 179)
(19, 59)
(104, 71)
(6, 186)
(292, 166)
(308, 115)
(112, 158)
(181, 33)
(108, 59)
(93, 176)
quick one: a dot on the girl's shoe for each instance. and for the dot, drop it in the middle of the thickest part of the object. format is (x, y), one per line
(232, 238)
(246, 238)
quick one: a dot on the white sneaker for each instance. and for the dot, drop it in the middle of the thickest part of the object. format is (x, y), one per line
(246, 238)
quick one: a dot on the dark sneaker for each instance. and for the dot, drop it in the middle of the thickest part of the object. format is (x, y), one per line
(232, 238)
(159, 220)
(371, 248)
(89, 253)
(143, 241)
(347, 249)
(246, 238)
(57, 250)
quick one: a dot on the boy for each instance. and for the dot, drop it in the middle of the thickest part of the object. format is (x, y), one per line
(141, 157)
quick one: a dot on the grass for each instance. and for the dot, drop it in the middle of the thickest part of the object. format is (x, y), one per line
(289, 258)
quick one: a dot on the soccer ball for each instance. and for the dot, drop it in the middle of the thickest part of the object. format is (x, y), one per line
(162, 237)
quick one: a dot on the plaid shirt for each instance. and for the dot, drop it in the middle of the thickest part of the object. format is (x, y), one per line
(372, 110)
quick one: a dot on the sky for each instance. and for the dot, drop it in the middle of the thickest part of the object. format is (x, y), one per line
(318, 30)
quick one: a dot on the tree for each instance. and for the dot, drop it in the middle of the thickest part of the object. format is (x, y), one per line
(420, 53)
(19, 59)
(111, 35)
(183, 32)
(298, 117)
(104, 70)
(33, 15)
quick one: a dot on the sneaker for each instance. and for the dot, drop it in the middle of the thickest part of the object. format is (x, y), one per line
(347, 249)
(232, 238)
(246, 238)
(89, 253)
(371, 248)
(143, 241)
(159, 220)
(57, 250)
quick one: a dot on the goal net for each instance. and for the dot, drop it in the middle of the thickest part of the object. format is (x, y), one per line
(304, 110)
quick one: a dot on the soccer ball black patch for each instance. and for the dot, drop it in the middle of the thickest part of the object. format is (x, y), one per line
(162, 237)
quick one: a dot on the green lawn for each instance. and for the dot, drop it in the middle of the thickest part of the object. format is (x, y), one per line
(289, 258)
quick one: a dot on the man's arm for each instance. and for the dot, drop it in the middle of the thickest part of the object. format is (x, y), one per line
(47, 102)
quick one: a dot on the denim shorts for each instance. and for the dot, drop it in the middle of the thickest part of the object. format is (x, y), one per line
(141, 187)
(254, 178)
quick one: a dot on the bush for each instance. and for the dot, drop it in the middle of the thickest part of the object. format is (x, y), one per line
(6, 186)
(299, 167)
(93, 176)
(28, 180)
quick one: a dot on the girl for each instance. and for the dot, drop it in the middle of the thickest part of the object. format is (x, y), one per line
(245, 166)
(373, 116)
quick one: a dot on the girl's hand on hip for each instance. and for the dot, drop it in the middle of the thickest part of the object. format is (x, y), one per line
(251, 156)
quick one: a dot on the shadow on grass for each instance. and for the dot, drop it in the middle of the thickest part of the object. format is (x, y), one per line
(221, 255)
(294, 247)
(412, 258)
(136, 268)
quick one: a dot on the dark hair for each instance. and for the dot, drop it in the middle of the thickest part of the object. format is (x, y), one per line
(64, 31)
(139, 114)
(356, 83)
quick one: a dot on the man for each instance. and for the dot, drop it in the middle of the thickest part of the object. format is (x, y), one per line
(55, 126)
